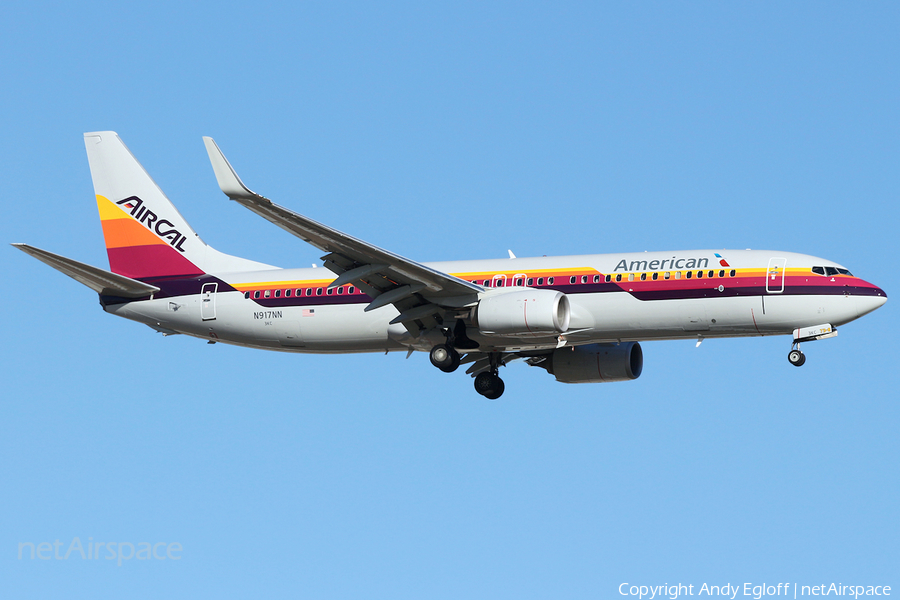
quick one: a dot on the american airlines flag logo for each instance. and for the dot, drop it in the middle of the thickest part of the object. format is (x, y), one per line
(309, 312)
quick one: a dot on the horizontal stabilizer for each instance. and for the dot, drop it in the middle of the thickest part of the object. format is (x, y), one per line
(102, 282)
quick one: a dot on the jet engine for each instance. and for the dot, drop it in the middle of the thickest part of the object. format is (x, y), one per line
(596, 363)
(527, 312)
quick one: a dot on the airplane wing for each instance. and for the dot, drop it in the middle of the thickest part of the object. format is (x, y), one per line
(417, 291)
(102, 282)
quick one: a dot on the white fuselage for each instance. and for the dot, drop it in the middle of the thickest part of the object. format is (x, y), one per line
(613, 297)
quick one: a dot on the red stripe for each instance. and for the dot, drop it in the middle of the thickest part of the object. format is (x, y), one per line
(150, 261)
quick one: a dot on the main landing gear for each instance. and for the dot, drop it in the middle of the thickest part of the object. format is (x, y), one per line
(445, 358)
(488, 383)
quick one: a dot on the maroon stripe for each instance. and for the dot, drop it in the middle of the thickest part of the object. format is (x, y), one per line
(150, 261)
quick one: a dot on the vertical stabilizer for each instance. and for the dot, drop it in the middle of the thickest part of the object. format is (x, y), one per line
(145, 235)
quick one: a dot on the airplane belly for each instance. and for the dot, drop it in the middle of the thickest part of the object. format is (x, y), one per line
(345, 328)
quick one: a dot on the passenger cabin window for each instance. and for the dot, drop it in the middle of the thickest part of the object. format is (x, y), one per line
(584, 279)
(287, 293)
(643, 277)
(677, 274)
(530, 281)
(733, 272)
(689, 274)
(329, 291)
(256, 294)
(247, 295)
(309, 291)
(655, 276)
(572, 279)
(278, 293)
(711, 273)
(596, 279)
(318, 291)
(351, 289)
(299, 292)
(722, 273)
(631, 277)
(618, 277)
(550, 281)
(608, 278)
(540, 281)
(667, 275)
(341, 290)
(699, 274)
(268, 293)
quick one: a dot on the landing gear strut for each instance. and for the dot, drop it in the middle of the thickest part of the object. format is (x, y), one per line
(488, 383)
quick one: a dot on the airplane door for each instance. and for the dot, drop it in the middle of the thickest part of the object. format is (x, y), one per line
(208, 301)
(775, 275)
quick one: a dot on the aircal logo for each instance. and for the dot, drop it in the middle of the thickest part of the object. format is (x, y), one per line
(660, 265)
(161, 227)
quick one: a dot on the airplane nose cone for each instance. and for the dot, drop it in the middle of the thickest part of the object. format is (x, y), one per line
(866, 304)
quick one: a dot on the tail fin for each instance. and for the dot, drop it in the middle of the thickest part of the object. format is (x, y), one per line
(146, 236)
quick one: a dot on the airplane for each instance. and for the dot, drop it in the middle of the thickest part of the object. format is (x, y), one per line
(581, 318)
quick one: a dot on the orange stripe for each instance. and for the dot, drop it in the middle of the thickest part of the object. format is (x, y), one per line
(122, 233)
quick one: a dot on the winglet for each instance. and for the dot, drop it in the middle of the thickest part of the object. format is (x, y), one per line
(229, 182)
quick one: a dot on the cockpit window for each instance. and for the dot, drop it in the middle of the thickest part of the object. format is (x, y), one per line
(831, 271)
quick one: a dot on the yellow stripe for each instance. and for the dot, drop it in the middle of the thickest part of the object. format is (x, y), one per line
(529, 273)
(751, 272)
(260, 285)
(108, 210)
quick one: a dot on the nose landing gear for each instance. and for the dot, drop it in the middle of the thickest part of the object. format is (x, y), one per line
(795, 357)
(808, 334)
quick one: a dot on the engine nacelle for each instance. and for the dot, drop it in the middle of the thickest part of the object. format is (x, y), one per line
(597, 363)
(527, 312)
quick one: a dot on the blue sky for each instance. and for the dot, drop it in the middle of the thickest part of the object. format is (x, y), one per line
(446, 131)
